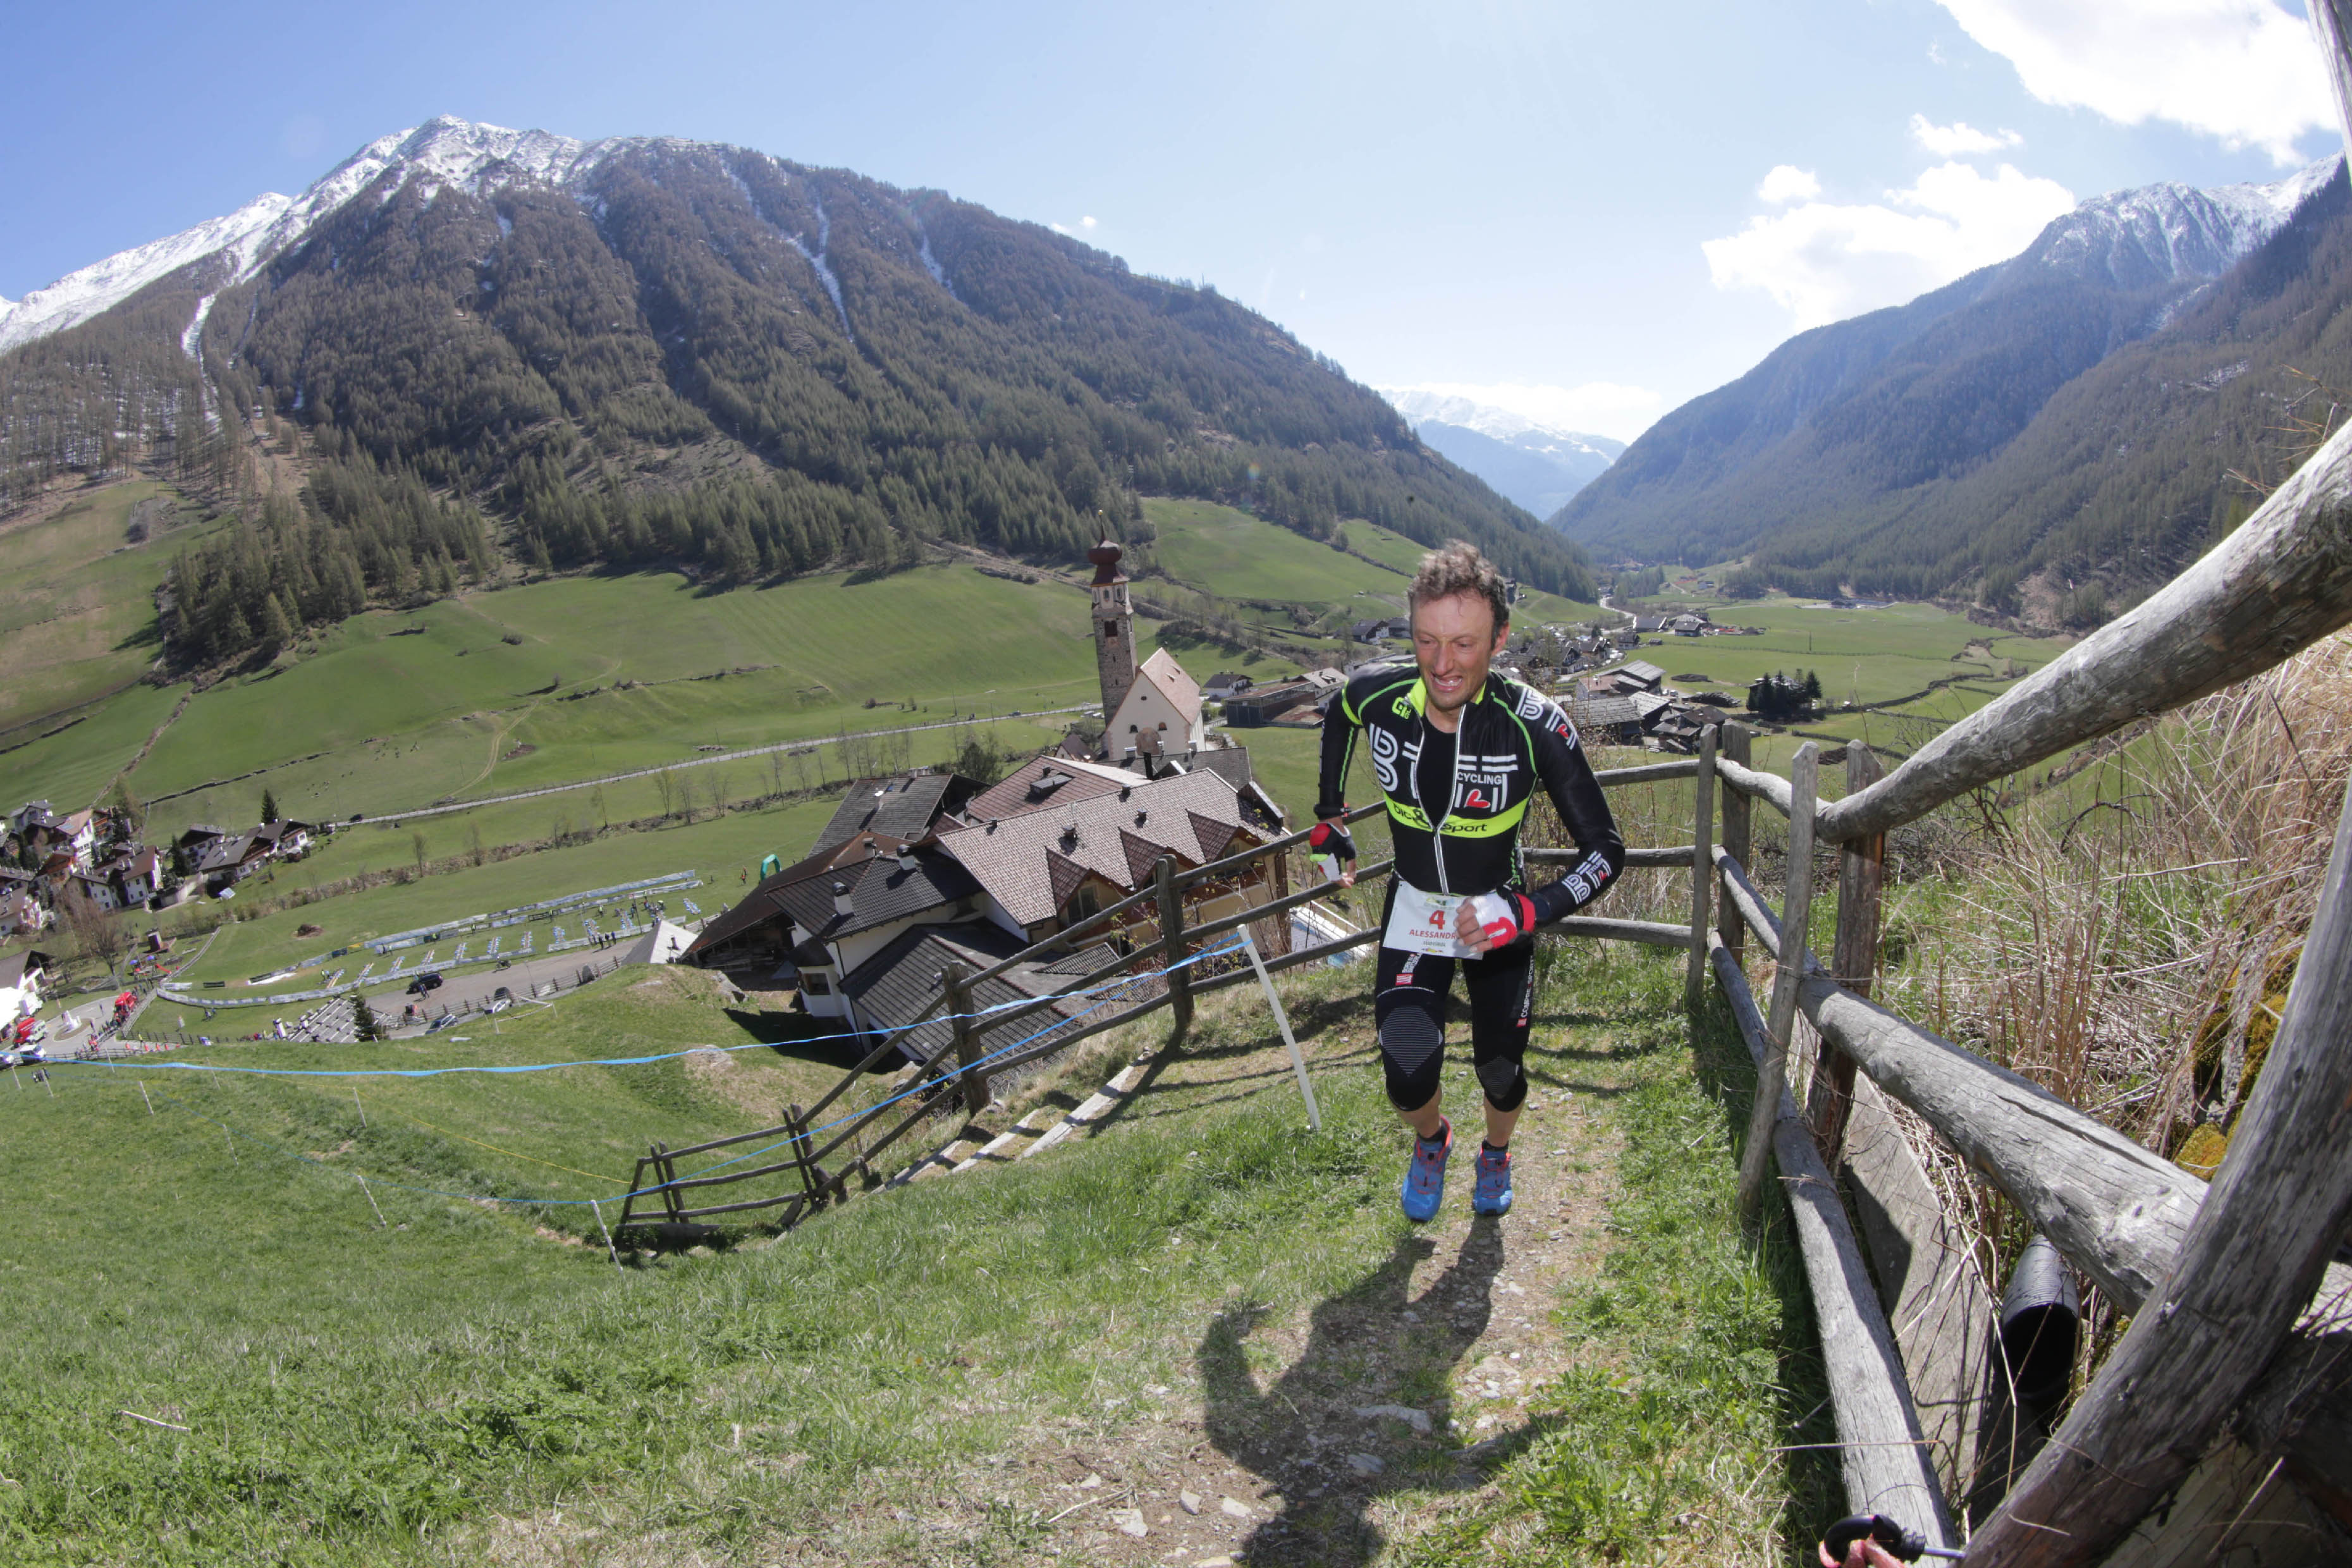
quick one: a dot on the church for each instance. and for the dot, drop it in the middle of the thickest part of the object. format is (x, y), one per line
(1152, 711)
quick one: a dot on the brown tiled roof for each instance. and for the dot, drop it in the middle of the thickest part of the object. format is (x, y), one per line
(900, 982)
(1010, 858)
(903, 805)
(1013, 793)
(1211, 835)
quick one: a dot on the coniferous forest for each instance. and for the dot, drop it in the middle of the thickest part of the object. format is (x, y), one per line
(706, 358)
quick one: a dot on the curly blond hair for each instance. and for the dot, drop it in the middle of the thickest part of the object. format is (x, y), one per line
(1456, 567)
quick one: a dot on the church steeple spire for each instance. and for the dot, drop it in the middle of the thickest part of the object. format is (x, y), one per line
(1113, 627)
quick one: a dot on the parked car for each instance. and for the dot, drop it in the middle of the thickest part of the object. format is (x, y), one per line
(423, 984)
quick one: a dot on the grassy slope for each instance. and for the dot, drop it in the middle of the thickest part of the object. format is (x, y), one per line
(1229, 553)
(77, 603)
(406, 720)
(354, 1393)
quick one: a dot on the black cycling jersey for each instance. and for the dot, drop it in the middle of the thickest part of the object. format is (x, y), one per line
(1464, 838)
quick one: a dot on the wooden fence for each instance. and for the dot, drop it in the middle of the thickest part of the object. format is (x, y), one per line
(827, 1162)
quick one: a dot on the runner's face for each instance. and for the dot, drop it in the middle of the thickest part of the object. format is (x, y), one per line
(1453, 640)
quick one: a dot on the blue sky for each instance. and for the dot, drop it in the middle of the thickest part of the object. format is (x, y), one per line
(1609, 208)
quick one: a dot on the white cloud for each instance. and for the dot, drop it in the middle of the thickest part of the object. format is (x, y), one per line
(1593, 409)
(1085, 223)
(2243, 70)
(1823, 262)
(1959, 138)
(1786, 182)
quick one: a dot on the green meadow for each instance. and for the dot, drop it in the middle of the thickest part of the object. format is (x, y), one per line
(77, 601)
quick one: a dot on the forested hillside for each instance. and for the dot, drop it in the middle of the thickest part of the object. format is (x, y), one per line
(700, 355)
(2096, 426)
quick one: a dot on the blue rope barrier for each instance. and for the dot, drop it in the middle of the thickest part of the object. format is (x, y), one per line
(1104, 992)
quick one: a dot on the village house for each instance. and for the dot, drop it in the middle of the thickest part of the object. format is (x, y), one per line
(1606, 720)
(1226, 684)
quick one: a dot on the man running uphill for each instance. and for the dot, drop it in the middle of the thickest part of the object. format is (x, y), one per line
(1458, 752)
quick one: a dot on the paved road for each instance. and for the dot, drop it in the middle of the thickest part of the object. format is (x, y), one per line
(476, 989)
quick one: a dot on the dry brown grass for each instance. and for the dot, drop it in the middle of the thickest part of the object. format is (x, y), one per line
(2128, 938)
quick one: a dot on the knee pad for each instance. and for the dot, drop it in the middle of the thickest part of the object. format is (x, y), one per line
(1504, 1081)
(1412, 1047)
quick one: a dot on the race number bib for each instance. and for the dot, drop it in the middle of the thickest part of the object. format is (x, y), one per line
(1423, 922)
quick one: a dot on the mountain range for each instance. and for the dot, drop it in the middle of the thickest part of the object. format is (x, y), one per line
(2074, 417)
(1539, 465)
(493, 345)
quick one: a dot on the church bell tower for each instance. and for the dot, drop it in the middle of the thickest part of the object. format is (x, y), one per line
(1113, 627)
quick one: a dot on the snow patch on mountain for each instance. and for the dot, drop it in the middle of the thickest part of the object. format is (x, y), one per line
(77, 296)
(443, 151)
(1418, 403)
(2167, 232)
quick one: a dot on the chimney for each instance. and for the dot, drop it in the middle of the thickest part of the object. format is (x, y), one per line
(841, 897)
(905, 858)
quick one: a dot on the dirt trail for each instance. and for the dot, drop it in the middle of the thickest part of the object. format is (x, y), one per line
(1315, 1435)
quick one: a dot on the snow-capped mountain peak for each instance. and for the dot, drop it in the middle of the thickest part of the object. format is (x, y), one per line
(2167, 232)
(1422, 404)
(445, 150)
(79, 296)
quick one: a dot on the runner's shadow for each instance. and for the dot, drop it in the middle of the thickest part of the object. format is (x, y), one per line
(1302, 1433)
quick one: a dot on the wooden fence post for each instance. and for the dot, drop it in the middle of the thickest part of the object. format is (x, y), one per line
(1702, 882)
(1796, 909)
(1862, 873)
(1171, 927)
(954, 977)
(1736, 808)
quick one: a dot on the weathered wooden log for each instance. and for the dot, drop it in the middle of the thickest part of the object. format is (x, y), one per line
(1754, 784)
(1647, 773)
(1854, 958)
(1883, 1455)
(2259, 1244)
(1789, 967)
(1733, 749)
(2283, 581)
(958, 991)
(1936, 1298)
(1650, 933)
(1172, 932)
(1745, 900)
(1701, 887)
(1667, 856)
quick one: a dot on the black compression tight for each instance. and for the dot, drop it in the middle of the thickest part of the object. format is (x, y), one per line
(1409, 1009)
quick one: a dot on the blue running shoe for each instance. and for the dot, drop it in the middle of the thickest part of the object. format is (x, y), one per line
(1493, 1193)
(1425, 1175)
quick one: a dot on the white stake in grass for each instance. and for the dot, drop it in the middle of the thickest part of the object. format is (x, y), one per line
(1282, 1020)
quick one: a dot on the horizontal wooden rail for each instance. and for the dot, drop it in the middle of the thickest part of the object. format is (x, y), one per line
(2117, 1211)
(1647, 773)
(1648, 934)
(1883, 1451)
(1670, 855)
(2277, 585)
(1755, 783)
